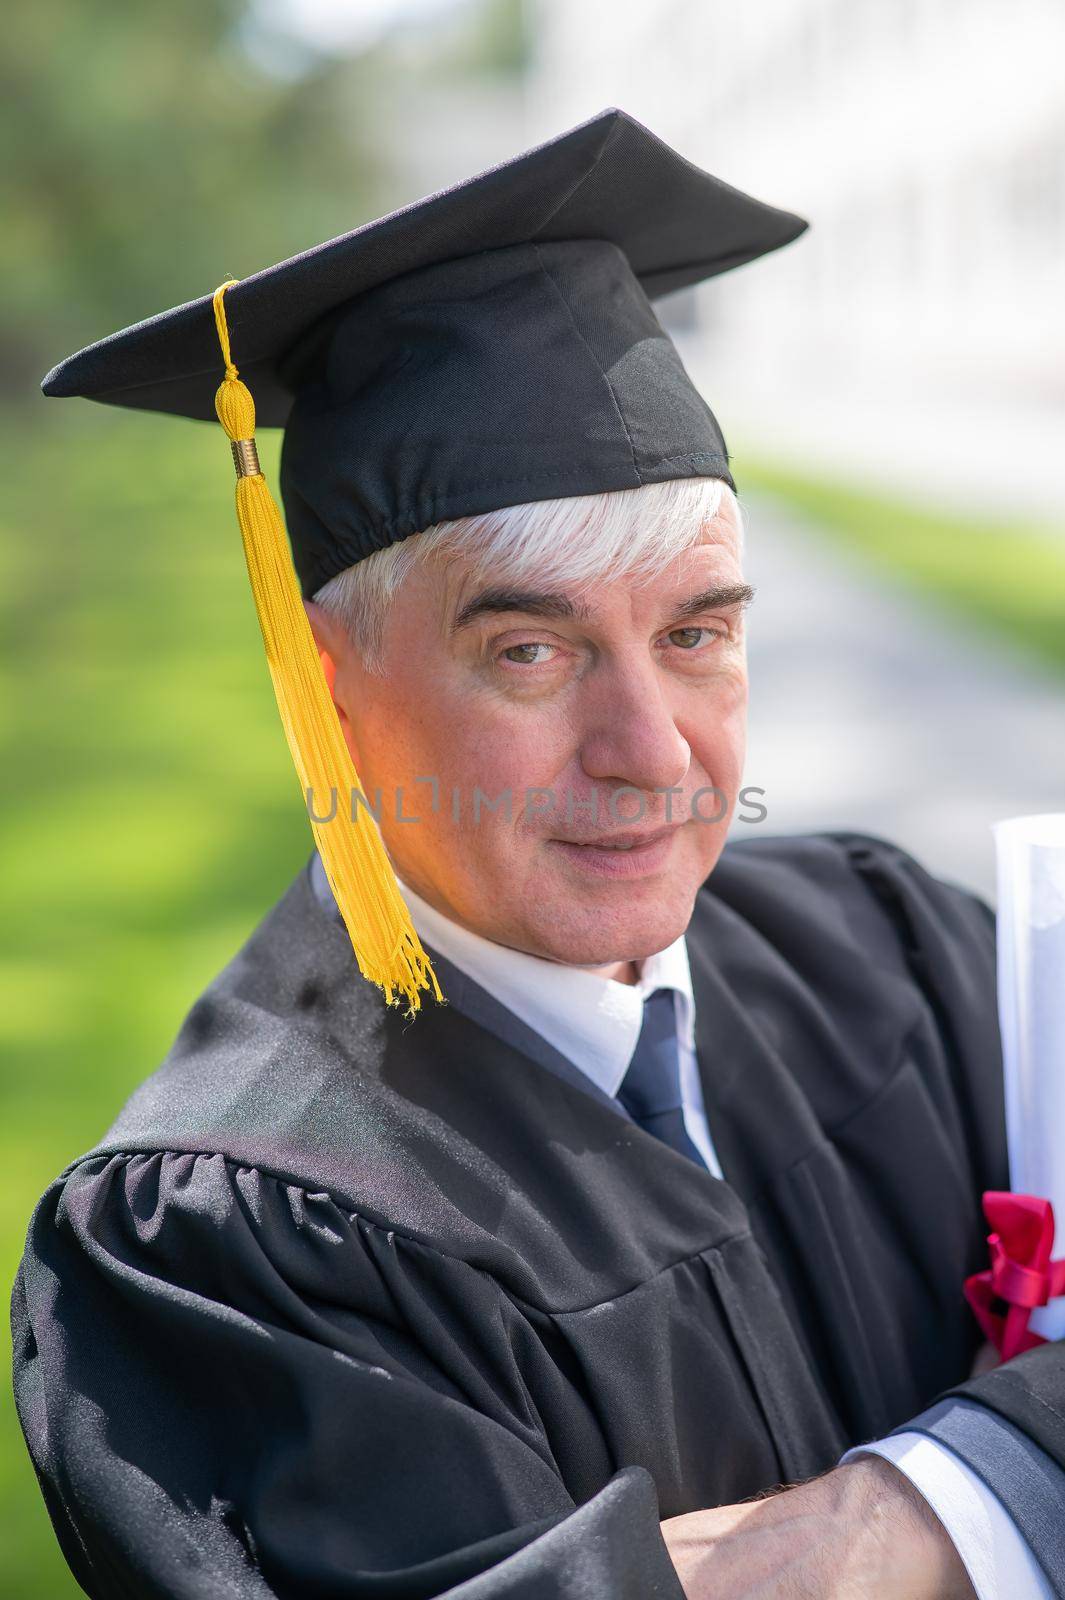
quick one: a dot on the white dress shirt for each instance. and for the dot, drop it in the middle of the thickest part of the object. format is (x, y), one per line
(595, 1022)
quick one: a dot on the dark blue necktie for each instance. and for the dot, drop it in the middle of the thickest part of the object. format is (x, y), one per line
(650, 1089)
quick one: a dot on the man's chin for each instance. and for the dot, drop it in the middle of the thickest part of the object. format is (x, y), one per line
(597, 946)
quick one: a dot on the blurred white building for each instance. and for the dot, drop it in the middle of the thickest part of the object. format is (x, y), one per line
(916, 333)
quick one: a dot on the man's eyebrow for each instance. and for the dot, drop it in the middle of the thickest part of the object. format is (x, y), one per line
(719, 594)
(547, 603)
(534, 602)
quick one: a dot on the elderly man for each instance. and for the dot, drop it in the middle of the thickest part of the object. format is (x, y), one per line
(591, 1282)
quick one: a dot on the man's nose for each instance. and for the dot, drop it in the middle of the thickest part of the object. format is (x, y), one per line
(629, 732)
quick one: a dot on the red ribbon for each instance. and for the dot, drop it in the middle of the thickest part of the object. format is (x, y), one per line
(1021, 1275)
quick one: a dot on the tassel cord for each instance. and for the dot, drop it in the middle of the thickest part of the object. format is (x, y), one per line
(386, 945)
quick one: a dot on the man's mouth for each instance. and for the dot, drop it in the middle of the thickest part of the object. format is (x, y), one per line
(625, 852)
(623, 839)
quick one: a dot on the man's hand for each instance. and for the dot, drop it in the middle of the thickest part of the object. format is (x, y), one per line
(986, 1360)
(861, 1532)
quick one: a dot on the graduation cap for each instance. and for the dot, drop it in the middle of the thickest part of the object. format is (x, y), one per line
(489, 345)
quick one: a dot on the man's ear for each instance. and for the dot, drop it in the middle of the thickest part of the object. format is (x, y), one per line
(324, 628)
(332, 642)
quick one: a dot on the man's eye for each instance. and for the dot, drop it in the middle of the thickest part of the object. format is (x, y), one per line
(690, 638)
(523, 655)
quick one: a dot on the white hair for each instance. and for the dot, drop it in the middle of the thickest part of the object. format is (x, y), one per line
(573, 542)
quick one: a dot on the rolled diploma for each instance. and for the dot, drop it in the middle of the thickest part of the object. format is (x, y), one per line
(1030, 856)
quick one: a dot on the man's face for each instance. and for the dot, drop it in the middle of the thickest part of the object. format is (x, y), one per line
(585, 706)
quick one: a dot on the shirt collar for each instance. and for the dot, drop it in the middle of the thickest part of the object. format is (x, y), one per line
(594, 1021)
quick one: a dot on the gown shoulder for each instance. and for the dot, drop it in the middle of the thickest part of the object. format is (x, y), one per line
(233, 1385)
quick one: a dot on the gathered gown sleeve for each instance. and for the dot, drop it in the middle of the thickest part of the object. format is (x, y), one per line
(232, 1386)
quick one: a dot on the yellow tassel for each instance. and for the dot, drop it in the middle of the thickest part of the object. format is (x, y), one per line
(360, 875)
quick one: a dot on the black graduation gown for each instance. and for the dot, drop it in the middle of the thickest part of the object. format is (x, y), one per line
(348, 1306)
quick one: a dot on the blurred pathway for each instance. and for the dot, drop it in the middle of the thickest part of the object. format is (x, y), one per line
(873, 709)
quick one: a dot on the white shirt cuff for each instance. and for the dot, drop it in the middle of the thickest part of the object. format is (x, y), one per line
(992, 1548)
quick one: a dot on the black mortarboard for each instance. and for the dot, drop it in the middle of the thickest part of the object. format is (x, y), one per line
(490, 345)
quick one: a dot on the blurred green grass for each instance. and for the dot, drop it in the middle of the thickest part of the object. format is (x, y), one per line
(1005, 572)
(150, 813)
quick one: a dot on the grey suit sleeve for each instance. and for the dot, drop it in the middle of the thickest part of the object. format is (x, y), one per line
(1028, 1482)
